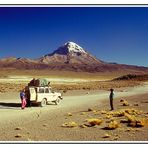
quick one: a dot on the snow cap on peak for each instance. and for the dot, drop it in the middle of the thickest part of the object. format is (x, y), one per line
(73, 47)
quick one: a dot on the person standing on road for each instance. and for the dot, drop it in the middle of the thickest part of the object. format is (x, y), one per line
(23, 99)
(111, 96)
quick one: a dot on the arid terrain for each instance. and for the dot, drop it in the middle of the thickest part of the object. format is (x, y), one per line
(14, 80)
(84, 113)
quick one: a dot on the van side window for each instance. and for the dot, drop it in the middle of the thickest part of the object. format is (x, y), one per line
(46, 90)
(50, 90)
(41, 90)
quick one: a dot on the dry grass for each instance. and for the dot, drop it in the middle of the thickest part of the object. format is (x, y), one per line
(90, 109)
(119, 113)
(135, 121)
(69, 114)
(125, 103)
(106, 135)
(102, 85)
(103, 112)
(83, 113)
(94, 121)
(83, 126)
(29, 139)
(133, 111)
(60, 74)
(18, 136)
(101, 80)
(116, 137)
(109, 116)
(112, 125)
(18, 128)
(45, 125)
(70, 124)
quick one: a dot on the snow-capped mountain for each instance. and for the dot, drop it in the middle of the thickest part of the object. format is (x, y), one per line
(70, 52)
(69, 57)
(73, 47)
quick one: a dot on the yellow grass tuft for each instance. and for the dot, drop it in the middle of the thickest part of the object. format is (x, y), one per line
(136, 104)
(18, 136)
(94, 121)
(90, 109)
(106, 136)
(112, 125)
(116, 137)
(136, 122)
(94, 111)
(83, 113)
(45, 125)
(133, 111)
(131, 118)
(122, 100)
(17, 128)
(70, 124)
(123, 121)
(103, 112)
(29, 139)
(119, 113)
(109, 116)
(125, 103)
(69, 114)
(83, 126)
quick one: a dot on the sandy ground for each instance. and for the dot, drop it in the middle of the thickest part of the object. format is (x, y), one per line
(45, 124)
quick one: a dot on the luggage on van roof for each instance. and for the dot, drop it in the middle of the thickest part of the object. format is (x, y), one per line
(38, 82)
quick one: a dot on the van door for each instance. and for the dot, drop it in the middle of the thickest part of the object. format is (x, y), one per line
(40, 94)
(32, 94)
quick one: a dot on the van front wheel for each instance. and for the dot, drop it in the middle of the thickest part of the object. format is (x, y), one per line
(57, 101)
(43, 102)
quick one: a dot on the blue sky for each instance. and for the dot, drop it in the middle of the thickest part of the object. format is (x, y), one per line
(112, 34)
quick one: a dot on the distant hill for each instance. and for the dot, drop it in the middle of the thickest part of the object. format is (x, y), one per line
(133, 77)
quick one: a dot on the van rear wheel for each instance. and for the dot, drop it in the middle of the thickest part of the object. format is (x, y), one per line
(43, 102)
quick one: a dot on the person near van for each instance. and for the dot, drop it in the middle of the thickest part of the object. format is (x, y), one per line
(111, 96)
(28, 102)
(23, 99)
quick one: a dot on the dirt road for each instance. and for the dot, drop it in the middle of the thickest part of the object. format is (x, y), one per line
(34, 120)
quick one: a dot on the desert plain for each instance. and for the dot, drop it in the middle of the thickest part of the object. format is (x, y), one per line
(84, 113)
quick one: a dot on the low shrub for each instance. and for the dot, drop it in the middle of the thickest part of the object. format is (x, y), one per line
(106, 136)
(112, 125)
(70, 124)
(94, 121)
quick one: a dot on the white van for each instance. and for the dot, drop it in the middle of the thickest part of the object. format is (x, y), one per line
(43, 95)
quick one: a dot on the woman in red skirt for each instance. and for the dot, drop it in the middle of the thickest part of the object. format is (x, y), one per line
(23, 99)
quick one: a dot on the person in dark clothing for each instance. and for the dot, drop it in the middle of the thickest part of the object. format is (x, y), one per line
(111, 96)
(28, 102)
(27, 94)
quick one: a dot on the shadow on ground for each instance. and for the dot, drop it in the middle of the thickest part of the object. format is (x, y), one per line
(4, 105)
